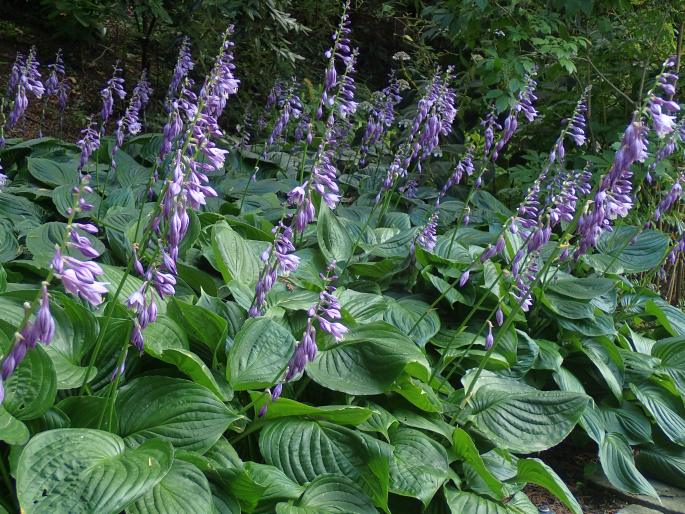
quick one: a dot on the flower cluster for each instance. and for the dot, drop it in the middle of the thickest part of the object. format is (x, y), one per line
(57, 83)
(184, 64)
(89, 142)
(187, 185)
(277, 260)
(661, 108)
(130, 121)
(24, 77)
(113, 87)
(327, 312)
(290, 107)
(41, 329)
(341, 51)
(381, 116)
(524, 104)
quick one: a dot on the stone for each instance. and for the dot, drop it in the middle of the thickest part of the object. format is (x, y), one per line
(637, 509)
(672, 498)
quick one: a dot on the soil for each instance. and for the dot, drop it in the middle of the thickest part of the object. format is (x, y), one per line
(572, 464)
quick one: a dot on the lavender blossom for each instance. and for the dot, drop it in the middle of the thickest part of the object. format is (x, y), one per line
(524, 104)
(489, 339)
(381, 116)
(524, 281)
(613, 198)
(184, 64)
(669, 200)
(113, 87)
(427, 238)
(341, 51)
(89, 142)
(221, 82)
(499, 316)
(56, 75)
(327, 312)
(15, 74)
(29, 80)
(278, 260)
(130, 121)
(290, 106)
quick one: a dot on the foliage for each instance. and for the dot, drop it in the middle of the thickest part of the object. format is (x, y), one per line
(447, 346)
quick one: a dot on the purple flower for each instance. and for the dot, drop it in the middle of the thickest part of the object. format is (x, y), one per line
(28, 80)
(45, 323)
(184, 64)
(381, 116)
(15, 74)
(221, 82)
(56, 75)
(523, 104)
(340, 52)
(499, 316)
(130, 121)
(524, 280)
(489, 339)
(669, 199)
(290, 106)
(463, 167)
(113, 87)
(89, 142)
(464, 278)
(427, 238)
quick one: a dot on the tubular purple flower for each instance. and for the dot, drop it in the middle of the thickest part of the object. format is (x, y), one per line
(184, 64)
(45, 323)
(427, 238)
(464, 278)
(113, 87)
(56, 75)
(489, 339)
(381, 116)
(499, 316)
(669, 200)
(89, 142)
(28, 80)
(339, 52)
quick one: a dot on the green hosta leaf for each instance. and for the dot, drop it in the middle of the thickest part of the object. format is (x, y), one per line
(667, 463)
(671, 318)
(52, 172)
(235, 258)
(466, 450)
(363, 307)
(462, 502)
(32, 388)
(417, 393)
(259, 354)
(21, 212)
(368, 360)
(617, 462)
(537, 472)
(380, 421)
(379, 270)
(224, 503)
(567, 308)
(284, 407)
(520, 418)
(192, 366)
(605, 356)
(582, 288)
(186, 414)
(12, 431)
(405, 313)
(9, 247)
(307, 449)
(63, 199)
(83, 471)
(183, 489)
(667, 411)
(41, 242)
(601, 325)
(671, 351)
(164, 334)
(419, 465)
(333, 239)
(629, 250)
(200, 324)
(85, 411)
(330, 494)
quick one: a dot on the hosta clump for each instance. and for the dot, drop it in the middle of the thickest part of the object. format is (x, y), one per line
(359, 327)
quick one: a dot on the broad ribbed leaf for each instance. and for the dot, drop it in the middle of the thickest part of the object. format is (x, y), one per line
(466, 450)
(671, 351)
(330, 494)
(259, 355)
(409, 315)
(183, 489)
(520, 418)
(535, 471)
(363, 307)
(629, 250)
(581, 288)
(666, 410)
(52, 172)
(284, 407)
(671, 318)
(667, 463)
(368, 360)
(234, 257)
(419, 465)
(334, 241)
(607, 359)
(306, 449)
(12, 431)
(462, 502)
(9, 247)
(617, 462)
(82, 471)
(32, 388)
(200, 324)
(187, 415)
